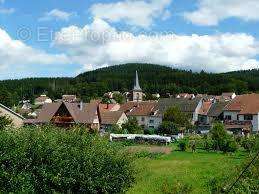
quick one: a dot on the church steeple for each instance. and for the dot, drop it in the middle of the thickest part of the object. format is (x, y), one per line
(136, 85)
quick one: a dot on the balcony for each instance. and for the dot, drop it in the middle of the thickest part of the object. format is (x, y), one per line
(62, 120)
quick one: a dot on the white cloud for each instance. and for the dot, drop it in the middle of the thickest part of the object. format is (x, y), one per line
(7, 10)
(98, 44)
(210, 12)
(138, 13)
(57, 14)
(16, 56)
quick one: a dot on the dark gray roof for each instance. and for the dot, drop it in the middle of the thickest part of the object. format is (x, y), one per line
(216, 109)
(185, 105)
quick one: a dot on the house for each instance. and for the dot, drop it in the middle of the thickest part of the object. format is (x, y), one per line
(111, 94)
(69, 98)
(146, 113)
(110, 118)
(157, 95)
(136, 95)
(42, 99)
(216, 111)
(228, 96)
(17, 119)
(185, 95)
(66, 114)
(242, 111)
(109, 107)
(203, 118)
(189, 106)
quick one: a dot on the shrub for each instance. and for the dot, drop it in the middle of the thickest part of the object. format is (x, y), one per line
(132, 127)
(249, 143)
(207, 143)
(115, 129)
(5, 122)
(149, 131)
(47, 160)
(183, 144)
(229, 145)
(222, 141)
(168, 128)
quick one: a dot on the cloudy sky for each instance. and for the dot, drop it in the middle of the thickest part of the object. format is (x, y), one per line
(65, 37)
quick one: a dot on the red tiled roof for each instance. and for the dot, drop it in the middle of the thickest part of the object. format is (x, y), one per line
(104, 107)
(139, 108)
(205, 108)
(245, 104)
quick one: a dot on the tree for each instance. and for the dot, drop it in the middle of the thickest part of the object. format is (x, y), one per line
(168, 128)
(175, 115)
(106, 100)
(218, 135)
(4, 122)
(132, 126)
(183, 144)
(119, 98)
(50, 160)
(5, 97)
(221, 140)
(114, 129)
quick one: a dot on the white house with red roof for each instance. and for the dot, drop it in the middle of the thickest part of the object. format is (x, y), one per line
(146, 113)
(243, 113)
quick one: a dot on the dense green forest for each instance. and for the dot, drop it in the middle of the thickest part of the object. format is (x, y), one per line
(153, 79)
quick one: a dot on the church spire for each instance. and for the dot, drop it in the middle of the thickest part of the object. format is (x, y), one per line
(137, 86)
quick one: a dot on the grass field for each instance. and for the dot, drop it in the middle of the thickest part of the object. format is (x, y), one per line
(187, 167)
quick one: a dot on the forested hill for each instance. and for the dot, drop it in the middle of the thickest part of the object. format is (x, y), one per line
(153, 78)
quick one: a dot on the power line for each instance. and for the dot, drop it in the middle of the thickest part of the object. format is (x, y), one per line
(245, 169)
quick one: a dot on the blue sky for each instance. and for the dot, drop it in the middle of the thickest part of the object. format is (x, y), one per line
(64, 37)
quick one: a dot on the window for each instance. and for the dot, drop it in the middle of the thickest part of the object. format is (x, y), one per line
(228, 117)
(248, 117)
(151, 121)
(142, 119)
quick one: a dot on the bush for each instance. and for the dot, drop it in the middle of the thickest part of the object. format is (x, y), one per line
(115, 129)
(132, 126)
(168, 128)
(149, 131)
(5, 122)
(222, 141)
(183, 144)
(207, 143)
(47, 160)
(249, 143)
(229, 145)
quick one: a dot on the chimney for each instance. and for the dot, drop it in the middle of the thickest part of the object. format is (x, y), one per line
(81, 105)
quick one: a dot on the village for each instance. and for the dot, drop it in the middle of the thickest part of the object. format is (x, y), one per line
(238, 113)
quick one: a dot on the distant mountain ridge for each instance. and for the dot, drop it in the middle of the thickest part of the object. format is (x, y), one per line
(153, 79)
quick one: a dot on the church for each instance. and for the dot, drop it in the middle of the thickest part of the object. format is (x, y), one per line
(136, 95)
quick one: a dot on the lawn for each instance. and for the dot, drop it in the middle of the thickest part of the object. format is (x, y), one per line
(186, 167)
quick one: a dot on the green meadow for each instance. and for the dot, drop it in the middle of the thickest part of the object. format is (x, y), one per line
(161, 174)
